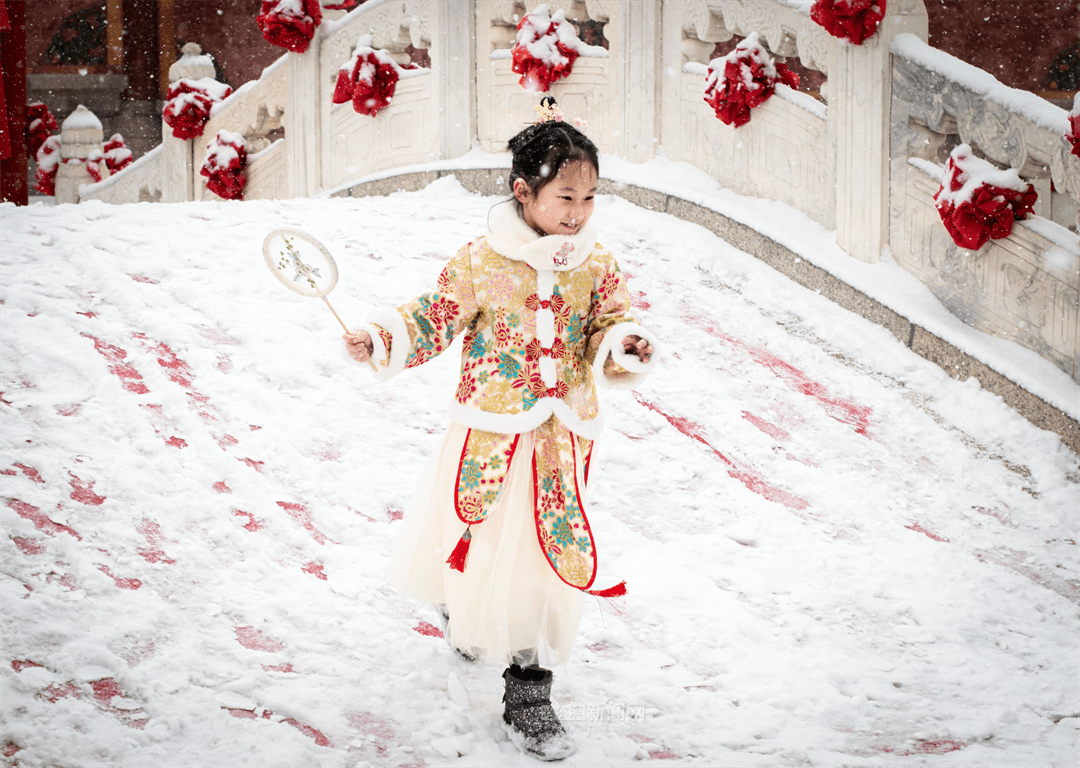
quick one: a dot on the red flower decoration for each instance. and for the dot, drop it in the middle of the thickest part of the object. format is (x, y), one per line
(40, 124)
(94, 161)
(48, 159)
(749, 78)
(117, 155)
(1073, 134)
(224, 166)
(289, 23)
(545, 49)
(368, 79)
(977, 201)
(851, 20)
(189, 104)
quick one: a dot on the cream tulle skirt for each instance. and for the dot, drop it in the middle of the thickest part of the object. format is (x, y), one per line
(508, 600)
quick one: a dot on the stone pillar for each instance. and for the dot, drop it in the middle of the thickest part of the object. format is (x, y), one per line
(452, 63)
(178, 155)
(304, 109)
(638, 46)
(860, 97)
(80, 134)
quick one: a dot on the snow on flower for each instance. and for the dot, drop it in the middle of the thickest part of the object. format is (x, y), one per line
(289, 24)
(978, 201)
(48, 158)
(39, 125)
(368, 79)
(743, 79)
(850, 20)
(189, 103)
(224, 165)
(545, 49)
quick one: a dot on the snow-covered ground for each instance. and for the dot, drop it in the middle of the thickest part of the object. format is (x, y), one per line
(836, 554)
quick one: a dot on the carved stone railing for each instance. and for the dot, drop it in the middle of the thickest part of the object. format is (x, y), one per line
(863, 160)
(1026, 287)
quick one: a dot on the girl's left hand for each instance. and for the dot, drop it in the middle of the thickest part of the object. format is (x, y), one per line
(635, 345)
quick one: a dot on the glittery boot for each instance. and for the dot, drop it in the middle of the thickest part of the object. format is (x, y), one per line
(534, 726)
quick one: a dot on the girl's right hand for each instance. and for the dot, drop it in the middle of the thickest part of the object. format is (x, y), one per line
(359, 346)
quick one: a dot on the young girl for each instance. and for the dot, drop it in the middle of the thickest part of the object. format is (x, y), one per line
(496, 534)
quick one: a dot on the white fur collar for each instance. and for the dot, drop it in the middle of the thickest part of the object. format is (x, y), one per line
(509, 236)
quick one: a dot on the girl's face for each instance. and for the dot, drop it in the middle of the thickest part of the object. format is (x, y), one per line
(564, 205)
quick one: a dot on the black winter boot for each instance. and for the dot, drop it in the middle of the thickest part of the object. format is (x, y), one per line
(534, 726)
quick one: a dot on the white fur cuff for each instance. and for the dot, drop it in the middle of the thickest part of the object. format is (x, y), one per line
(612, 345)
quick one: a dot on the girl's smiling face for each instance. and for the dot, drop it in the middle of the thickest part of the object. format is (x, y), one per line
(563, 205)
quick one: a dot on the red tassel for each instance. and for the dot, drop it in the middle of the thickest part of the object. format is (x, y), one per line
(457, 558)
(617, 591)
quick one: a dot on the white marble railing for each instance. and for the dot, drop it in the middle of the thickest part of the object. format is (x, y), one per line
(842, 160)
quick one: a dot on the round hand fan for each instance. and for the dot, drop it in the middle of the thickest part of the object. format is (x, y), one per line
(303, 265)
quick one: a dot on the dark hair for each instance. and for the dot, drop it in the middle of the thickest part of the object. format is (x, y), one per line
(542, 149)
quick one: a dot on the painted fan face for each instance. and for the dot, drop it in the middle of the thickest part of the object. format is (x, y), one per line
(300, 262)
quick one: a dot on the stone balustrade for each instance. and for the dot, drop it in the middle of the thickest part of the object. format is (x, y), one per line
(863, 160)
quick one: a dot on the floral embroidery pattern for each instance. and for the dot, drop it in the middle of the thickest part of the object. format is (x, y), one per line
(485, 460)
(561, 525)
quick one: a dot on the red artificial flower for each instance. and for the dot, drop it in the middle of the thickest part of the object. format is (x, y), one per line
(189, 104)
(1073, 134)
(289, 24)
(40, 124)
(368, 79)
(117, 155)
(48, 158)
(225, 165)
(851, 20)
(749, 78)
(545, 49)
(973, 207)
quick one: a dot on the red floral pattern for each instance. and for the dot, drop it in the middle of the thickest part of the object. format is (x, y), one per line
(742, 80)
(850, 20)
(973, 208)
(281, 25)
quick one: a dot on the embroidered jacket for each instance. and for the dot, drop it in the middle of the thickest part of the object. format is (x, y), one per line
(544, 319)
(541, 316)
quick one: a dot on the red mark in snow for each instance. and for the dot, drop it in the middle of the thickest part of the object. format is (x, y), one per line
(243, 714)
(430, 630)
(10, 749)
(225, 441)
(300, 514)
(19, 666)
(224, 363)
(176, 442)
(254, 427)
(179, 371)
(91, 315)
(638, 300)
(373, 725)
(394, 514)
(1001, 517)
(307, 730)
(56, 692)
(30, 472)
(121, 583)
(769, 429)
(842, 410)
(156, 556)
(253, 639)
(132, 380)
(256, 465)
(931, 747)
(151, 531)
(1009, 558)
(105, 690)
(252, 524)
(315, 570)
(746, 477)
(220, 487)
(28, 546)
(40, 521)
(143, 279)
(279, 668)
(69, 410)
(83, 492)
(919, 529)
